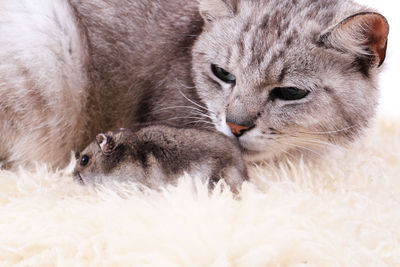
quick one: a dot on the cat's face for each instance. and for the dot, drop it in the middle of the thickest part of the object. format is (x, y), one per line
(285, 75)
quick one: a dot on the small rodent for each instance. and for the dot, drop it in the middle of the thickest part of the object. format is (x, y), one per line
(157, 155)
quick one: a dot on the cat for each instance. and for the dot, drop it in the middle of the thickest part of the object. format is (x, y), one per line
(157, 155)
(278, 76)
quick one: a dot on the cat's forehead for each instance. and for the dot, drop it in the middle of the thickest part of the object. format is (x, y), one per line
(267, 39)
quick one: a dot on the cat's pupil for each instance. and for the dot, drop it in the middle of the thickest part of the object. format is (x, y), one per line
(289, 93)
(223, 75)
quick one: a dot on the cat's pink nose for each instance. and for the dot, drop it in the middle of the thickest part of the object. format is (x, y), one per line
(238, 130)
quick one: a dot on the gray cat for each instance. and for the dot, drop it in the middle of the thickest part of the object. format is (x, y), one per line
(279, 76)
(157, 155)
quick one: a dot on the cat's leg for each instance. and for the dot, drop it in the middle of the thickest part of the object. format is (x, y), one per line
(43, 81)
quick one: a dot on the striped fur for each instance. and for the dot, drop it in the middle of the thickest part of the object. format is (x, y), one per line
(72, 69)
(269, 44)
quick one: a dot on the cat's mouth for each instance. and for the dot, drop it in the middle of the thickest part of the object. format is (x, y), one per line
(250, 148)
(254, 149)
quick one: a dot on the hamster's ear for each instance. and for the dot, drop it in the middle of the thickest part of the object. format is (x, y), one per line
(364, 34)
(211, 10)
(106, 143)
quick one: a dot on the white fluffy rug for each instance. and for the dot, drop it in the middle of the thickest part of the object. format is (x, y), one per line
(344, 211)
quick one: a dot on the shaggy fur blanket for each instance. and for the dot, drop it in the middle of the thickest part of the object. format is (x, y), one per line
(342, 211)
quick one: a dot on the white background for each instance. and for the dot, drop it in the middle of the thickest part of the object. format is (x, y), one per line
(389, 79)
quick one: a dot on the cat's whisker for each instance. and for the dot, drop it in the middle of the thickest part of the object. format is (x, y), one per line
(188, 99)
(204, 119)
(178, 118)
(264, 163)
(204, 127)
(176, 107)
(286, 151)
(191, 111)
(201, 121)
(203, 115)
(194, 113)
(300, 147)
(330, 132)
(185, 86)
(191, 101)
(186, 117)
(308, 143)
(312, 139)
(316, 142)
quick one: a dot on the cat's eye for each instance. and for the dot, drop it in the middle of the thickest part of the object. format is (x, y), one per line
(84, 160)
(223, 75)
(289, 93)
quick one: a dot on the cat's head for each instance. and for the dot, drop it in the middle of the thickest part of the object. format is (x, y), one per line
(289, 75)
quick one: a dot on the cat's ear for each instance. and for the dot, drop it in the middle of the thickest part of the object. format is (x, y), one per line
(211, 10)
(363, 34)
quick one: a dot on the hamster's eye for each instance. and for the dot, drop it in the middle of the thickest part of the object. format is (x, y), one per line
(84, 160)
(223, 75)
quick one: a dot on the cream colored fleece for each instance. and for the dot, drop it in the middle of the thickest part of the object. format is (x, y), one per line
(343, 211)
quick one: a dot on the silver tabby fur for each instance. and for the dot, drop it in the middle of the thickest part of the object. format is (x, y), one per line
(72, 69)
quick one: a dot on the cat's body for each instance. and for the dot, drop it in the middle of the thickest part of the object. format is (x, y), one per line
(157, 155)
(109, 64)
(71, 69)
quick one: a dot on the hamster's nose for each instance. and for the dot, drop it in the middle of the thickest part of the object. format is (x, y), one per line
(238, 130)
